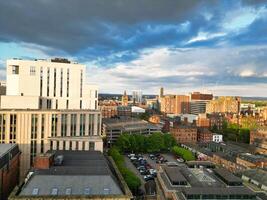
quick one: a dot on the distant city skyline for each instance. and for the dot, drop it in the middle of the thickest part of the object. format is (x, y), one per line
(218, 47)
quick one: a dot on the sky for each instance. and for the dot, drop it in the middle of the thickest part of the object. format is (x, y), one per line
(181, 45)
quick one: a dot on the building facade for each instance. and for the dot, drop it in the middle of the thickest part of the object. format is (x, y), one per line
(224, 105)
(73, 175)
(47, 84)
(9, 169)
(36, 131)
(175, 104)
(258, 138)
(184, 134)
(124, 99)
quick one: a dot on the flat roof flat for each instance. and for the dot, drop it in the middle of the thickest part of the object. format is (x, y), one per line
(174, 174)
(218, 190)
(79, 173)
(228, 176)
(4, 148)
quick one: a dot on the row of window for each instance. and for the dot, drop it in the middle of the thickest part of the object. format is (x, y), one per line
(32, 72)
(68, 191)
(72, 145)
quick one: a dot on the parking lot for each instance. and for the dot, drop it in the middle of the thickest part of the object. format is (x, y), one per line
(146, 163)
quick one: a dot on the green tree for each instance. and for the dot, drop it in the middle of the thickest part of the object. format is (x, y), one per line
(130, 178)
(184, 153)
(169, 141)
(155, 142)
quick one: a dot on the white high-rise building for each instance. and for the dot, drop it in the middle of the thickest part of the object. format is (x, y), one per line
(48, 106)
(137, 96)
(42, 84)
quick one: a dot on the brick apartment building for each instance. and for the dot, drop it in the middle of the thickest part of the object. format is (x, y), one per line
(204, 135)
(184, 134)
(9, 169)
(175, 104)
(108, 111)
(258, 138)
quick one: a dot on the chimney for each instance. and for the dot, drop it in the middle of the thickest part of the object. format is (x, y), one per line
(43, 161)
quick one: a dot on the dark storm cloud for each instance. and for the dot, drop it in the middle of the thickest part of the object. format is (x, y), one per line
(74, 25)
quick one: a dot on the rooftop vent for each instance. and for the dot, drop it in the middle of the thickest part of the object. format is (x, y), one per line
(35, 191)
(60, 60)
(54, 191)
(87, 191)
(58, 160)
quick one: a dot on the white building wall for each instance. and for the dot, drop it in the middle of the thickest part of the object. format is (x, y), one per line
(28, 83)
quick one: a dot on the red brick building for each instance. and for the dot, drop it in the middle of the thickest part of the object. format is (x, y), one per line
(204, 135)
(9, 169)
(184, 134)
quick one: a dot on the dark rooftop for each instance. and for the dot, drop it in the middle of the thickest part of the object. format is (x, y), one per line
(79, 173)
(228, 176)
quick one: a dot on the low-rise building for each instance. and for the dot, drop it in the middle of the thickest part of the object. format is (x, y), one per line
(113, 128)
(109, 111)
(256, 177)
(204, 135)
(73, 175)
(184, 134)
(9, 169)
(258, 138)
(252, 161)
(216, 137)
(183, 183)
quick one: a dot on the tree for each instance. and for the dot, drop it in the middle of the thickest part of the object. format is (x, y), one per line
(169, 141)
(184, 153)
(155, 142)
(130, 178)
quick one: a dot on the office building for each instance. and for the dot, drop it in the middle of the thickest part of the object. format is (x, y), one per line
(48, 106)
(137, 97)
(44, 84)
(113, 128)
(224, 105)
(73, 175)
(175, 104)
(9, 169)
(36, 131)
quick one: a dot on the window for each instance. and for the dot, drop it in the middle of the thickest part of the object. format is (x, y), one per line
(41, 81)
(82, 124)
(68, 81)
(55, 81)
(81, 103)
(73, 124)
(81, 84)
(15, 69)
(32, 71)
(67, 104)
(61, 82)
(48, 81)
(91, 146)
(64, 125)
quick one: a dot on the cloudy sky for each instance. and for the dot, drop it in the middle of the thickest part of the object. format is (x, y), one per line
(191, 45)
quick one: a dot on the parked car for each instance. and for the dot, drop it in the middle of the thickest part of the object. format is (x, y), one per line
(131, 155)
(133, 158)
(148, 177)
(141, 167)
(180, 160)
